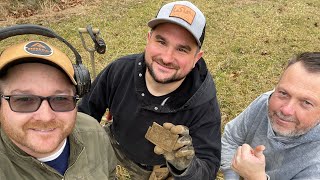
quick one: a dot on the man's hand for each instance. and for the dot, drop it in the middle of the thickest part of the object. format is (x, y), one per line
(250, 163)
(183, 151)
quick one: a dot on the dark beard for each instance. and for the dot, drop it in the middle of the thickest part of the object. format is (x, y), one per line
(174, 78)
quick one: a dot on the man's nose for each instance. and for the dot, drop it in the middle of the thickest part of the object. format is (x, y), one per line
(168, 56)
(45, 112)
(288, 109)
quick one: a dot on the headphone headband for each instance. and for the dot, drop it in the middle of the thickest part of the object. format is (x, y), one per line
(82, 75)
(22, 29)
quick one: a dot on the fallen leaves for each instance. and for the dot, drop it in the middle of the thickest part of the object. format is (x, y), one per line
(25, 10)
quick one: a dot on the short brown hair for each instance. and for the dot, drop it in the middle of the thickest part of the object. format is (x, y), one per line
(309, 60)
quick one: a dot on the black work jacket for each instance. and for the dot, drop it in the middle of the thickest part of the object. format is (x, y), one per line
(121, 87)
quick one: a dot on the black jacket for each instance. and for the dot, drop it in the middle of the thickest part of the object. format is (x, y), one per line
(121, 87)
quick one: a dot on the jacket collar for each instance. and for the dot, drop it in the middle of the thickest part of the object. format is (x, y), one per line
(203, 87)
(15, 153)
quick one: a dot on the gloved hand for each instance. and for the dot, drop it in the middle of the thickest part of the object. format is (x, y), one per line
(183, 152)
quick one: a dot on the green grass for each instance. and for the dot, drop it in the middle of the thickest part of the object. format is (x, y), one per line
(248, 42)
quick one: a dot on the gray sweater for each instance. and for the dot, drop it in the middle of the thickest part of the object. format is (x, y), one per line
(286, 158)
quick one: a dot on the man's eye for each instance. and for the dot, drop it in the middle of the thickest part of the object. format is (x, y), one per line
(182, 50)
(61, 99)
(161, 42)
(282, 93)
(23, 99)
(307, 103)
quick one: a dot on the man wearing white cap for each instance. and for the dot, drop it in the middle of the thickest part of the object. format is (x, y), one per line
(41, 134)
(168, 84)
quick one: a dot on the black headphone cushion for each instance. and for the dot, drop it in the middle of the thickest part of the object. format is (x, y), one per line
(83, 79)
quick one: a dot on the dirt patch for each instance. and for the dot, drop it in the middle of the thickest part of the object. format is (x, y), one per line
(22, 11)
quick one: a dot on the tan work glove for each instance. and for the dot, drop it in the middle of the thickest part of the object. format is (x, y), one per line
(183, 152)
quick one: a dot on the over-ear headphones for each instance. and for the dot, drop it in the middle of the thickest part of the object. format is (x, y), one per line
(81, 73)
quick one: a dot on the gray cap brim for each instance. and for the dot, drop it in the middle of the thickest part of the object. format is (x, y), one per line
(154, 22)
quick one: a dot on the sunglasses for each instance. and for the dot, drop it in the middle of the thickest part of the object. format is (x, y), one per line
(31, 103)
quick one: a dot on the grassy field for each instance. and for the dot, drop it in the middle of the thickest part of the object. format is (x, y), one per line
(247, 44)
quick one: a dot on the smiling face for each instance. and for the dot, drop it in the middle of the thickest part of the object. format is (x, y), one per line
(294, 107)
(171, 53)
(42, 132)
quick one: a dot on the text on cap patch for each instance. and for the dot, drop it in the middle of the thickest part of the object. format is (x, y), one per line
(183, 12)
(38, 48)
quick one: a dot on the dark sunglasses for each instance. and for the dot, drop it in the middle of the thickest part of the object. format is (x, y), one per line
(31, 103)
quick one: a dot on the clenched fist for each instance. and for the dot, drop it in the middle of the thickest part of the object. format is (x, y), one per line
(183, 152)
(250, 163)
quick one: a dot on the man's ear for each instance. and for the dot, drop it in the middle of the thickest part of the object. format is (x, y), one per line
(197, 57)
(149, 36)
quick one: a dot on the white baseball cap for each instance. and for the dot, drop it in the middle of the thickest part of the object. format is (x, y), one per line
(185, 14)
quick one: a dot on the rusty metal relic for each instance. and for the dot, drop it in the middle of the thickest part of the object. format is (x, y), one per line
(161, 137)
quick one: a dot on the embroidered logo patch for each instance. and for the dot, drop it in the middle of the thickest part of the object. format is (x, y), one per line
(38, 48)
(183, 12)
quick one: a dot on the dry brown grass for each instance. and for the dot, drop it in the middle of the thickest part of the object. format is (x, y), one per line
(24, 11)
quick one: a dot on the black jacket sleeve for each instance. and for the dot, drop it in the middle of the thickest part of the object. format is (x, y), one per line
(206, 138)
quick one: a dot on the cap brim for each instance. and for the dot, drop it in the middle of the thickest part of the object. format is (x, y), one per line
(154, 22)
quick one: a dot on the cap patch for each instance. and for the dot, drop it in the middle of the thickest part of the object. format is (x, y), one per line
(38, 48)
(183, 12)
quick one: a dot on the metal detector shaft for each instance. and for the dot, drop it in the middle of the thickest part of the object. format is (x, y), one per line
(93, 63)
(90, 50)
